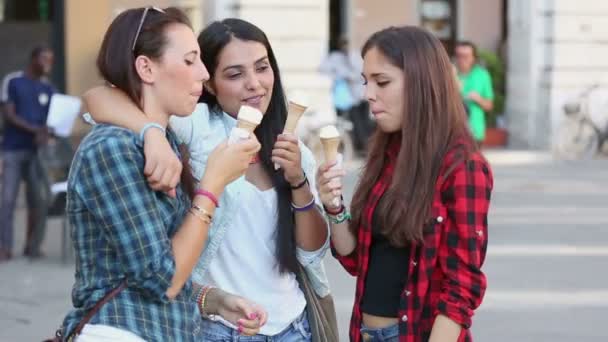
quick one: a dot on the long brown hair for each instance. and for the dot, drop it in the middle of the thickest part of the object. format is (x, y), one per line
(116, 58)
(433, 120)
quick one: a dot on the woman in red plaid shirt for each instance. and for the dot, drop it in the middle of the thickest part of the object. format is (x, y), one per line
(418, 234)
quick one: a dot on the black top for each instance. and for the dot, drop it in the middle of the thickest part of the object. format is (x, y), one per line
(386, 275)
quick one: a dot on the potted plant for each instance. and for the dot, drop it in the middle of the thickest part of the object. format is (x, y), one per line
(496, 134)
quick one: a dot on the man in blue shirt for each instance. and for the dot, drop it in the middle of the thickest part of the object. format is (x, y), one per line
(26, 109)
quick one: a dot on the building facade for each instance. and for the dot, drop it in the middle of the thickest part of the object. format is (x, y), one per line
(553, 48)
(557, 48)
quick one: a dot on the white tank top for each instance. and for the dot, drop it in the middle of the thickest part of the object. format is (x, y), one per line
(246, 262)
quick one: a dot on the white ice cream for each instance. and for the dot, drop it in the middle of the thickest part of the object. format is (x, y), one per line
(329, 132)
(250, 114)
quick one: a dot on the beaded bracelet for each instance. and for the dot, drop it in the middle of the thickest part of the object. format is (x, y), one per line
(201, 299)
(307, 207)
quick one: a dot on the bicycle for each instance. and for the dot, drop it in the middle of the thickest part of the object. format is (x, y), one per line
(578, 136)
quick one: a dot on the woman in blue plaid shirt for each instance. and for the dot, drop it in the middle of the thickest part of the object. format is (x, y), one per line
(124, 231)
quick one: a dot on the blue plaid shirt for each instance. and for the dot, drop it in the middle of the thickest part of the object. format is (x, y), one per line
(121, 229)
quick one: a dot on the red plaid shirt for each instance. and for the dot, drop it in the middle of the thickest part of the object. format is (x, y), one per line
(444, 273)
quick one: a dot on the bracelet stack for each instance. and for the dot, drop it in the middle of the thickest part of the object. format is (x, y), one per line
(337, 216)
(201, 214)
(201, 299)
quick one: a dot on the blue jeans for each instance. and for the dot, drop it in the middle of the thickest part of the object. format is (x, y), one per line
(388, 334)
(297, 331)
(17, 166)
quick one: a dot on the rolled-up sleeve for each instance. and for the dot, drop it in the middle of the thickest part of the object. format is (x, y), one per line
(115, 191)
(349, 262)
(468, 190)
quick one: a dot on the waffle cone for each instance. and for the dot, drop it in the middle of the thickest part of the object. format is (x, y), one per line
(246, 125)
(293, 116)
(330, 148)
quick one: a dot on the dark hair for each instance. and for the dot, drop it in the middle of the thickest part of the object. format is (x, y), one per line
(38, 50)
(434, 121)
(212, 40)
(470, 44)
(116, 58)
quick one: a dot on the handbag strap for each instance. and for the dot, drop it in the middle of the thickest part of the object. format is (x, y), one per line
(98, 306)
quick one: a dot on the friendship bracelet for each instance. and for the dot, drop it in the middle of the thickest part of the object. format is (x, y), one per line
(301, 184)
(340, 218)
(209, 195)
(307, 207)
(147, 126)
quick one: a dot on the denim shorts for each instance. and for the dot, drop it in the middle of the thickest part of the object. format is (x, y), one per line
(388, 334)
(297, 331)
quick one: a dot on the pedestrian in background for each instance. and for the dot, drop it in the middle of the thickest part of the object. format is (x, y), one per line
(344, 66)
(476, 89)
(418, 234)
(26, 107)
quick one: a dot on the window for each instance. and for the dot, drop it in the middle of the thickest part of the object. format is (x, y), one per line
(439, 17)
(26, 10)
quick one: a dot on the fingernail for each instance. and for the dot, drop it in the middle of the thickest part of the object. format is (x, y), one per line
(240, 329)
(253, 316)
(240, 321)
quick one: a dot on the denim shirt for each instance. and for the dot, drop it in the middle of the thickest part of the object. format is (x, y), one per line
(202, 132)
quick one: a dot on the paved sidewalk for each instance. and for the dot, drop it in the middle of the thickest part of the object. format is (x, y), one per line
(546, 261)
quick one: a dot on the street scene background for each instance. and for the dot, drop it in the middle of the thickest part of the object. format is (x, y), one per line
(547, 257)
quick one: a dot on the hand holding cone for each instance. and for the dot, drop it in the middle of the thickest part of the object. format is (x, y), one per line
(294, 113)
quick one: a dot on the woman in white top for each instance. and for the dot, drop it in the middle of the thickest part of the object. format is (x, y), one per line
(267, 224)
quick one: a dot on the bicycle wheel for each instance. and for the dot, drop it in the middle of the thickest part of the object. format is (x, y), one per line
(576, 139)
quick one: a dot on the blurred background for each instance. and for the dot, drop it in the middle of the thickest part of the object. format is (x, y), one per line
(548, 61)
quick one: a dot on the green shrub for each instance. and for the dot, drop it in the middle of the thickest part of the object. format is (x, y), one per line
(496, 67)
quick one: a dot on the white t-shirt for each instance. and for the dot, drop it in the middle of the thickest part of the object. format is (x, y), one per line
(246, 263)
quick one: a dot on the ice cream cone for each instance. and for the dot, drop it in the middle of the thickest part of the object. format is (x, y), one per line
(246, 125)
(330, 138)
(293, 116)
(247, 120)
(330, 149)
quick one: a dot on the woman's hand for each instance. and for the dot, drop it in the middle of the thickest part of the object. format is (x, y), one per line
(249, 317)
(287, 155)
(163, 168)
(227, 163)
(329, 183)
